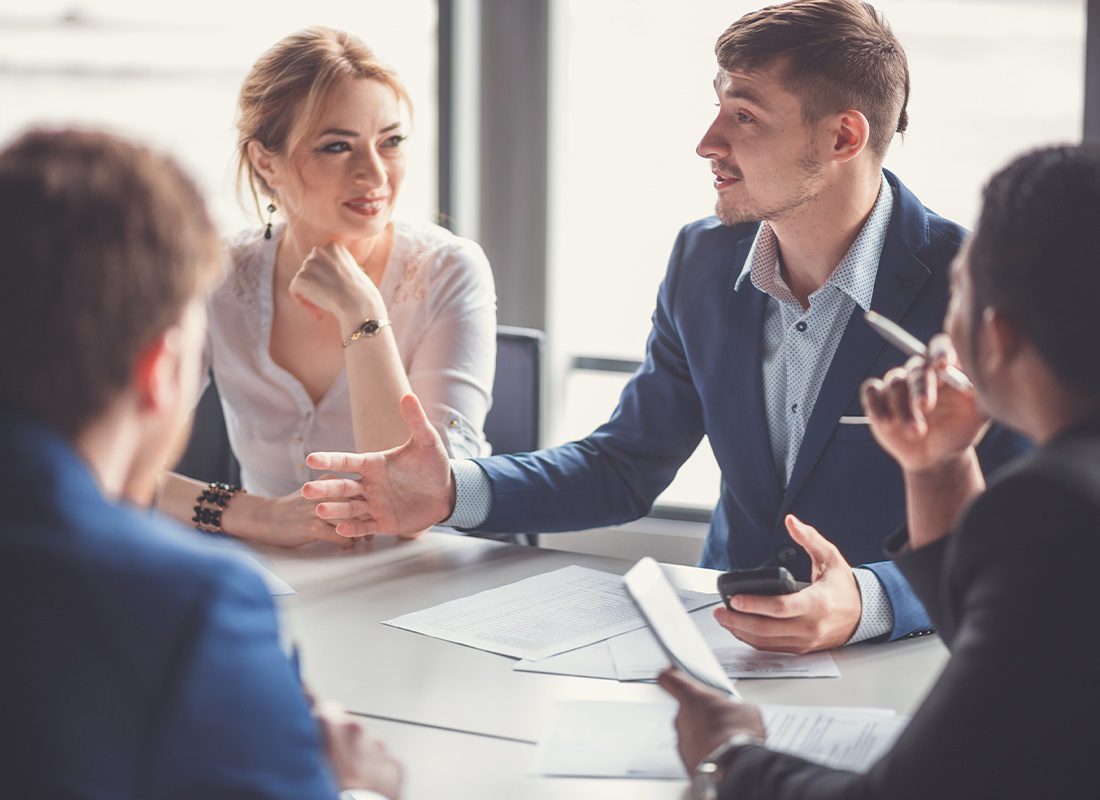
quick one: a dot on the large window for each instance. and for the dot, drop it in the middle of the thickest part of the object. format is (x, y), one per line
(169, 74)
(632, 95)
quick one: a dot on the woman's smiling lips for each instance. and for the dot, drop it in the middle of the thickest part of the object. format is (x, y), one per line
(366, 206)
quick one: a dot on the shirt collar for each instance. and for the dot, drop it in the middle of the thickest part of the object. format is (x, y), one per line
(854, 275)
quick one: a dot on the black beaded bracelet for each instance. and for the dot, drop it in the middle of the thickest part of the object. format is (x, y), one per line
(210, 504)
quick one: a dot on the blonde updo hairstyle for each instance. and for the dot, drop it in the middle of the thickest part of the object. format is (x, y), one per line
(286, 89)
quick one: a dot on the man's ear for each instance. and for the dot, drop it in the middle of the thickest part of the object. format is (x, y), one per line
(265, 162)
(849, 133)
(156, 373)
(1003, 339)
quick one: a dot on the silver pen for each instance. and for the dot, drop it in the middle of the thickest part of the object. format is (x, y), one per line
(912, 346)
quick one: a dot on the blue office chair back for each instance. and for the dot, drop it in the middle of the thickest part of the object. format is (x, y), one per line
(514, 424)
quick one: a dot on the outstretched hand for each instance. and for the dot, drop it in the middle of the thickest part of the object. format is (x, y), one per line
(399, 491)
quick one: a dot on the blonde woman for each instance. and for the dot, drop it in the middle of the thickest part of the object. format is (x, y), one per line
(326, 320)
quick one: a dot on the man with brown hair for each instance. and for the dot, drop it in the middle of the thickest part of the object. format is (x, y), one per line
(142, 659)
(1011, 712)
(757, 343)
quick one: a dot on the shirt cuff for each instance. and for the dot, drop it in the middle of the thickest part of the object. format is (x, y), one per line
(877, 617)
(473, 495)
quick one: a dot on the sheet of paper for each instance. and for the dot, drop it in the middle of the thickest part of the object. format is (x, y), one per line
(672, 628)
(597, 739)
(593, 661)
(843, 738)
(637, 740)
(540, 616)
(638, 657)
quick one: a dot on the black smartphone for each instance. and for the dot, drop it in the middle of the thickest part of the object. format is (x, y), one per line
(766, 580)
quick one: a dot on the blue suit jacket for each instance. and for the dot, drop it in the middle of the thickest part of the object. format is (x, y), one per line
(141, 660)
(702, 375)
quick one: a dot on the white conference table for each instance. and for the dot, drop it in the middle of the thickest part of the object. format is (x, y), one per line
(461, 719)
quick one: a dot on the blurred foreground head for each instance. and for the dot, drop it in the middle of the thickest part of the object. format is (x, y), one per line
(105, 247)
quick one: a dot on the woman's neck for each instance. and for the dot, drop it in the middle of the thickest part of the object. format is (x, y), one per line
(370, 253)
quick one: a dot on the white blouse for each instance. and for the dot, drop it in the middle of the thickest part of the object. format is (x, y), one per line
(439, 293)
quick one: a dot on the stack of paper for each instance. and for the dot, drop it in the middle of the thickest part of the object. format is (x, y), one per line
(540, 616)
(637, 740)
(635, 656)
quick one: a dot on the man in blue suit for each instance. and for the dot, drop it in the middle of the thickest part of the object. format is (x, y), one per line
(141, 659)
(758, 342)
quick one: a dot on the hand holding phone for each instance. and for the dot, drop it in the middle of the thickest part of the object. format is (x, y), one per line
(763, 581)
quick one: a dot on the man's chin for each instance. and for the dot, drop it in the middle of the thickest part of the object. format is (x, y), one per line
(730, 215)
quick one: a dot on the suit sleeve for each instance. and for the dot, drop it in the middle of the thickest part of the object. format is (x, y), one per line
(1006, 716)
(233, 721)
(614, 474)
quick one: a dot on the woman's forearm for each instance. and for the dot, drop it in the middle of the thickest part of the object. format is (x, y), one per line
(178, 495)
(376, 384)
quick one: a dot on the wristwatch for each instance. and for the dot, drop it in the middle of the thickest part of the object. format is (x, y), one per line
(367, 329)
(708, 775)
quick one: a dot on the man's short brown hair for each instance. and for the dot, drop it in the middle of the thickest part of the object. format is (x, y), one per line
(835, 55)
(105, 243)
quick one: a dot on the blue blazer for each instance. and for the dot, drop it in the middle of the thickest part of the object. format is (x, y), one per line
(702, 376)
(141, 660)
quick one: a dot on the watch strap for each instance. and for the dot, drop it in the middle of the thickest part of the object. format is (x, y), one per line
(708, 775)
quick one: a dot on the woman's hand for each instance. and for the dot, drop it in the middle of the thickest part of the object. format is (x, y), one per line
(287, 521)
(917, 418)
(330, 281)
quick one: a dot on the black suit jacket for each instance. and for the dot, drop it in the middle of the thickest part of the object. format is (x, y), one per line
(1017, 709)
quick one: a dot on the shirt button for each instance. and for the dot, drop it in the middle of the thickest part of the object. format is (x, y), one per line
(801, 326)
(453, 423)
(298, 439)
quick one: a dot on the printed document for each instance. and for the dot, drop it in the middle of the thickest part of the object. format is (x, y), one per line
(600, 739)
(540, 616)
(638, 657)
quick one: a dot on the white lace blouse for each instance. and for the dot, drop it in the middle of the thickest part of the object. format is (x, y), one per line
(439, 293)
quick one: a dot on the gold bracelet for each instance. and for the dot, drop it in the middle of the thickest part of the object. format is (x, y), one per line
(369, 328)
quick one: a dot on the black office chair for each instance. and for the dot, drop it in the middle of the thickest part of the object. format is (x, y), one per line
(513, 424)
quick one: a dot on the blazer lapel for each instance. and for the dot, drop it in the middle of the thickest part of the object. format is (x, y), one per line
(901, 275)
(750, 443)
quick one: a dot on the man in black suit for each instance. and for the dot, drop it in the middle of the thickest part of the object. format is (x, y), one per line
(1002, 570)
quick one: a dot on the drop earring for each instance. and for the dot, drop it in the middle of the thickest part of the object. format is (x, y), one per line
(270, 217)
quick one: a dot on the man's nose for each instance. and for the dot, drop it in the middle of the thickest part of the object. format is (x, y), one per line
(713, 146)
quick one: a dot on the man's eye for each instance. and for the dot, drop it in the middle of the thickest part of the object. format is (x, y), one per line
(743, 117)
